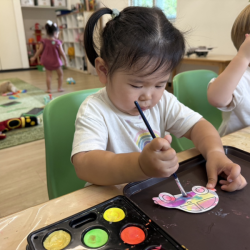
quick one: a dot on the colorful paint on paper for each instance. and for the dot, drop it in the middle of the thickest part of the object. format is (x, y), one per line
(199, 200)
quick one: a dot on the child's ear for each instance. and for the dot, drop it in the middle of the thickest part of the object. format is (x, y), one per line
(102, 70)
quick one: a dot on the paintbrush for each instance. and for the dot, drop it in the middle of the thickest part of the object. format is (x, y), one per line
(153, 136)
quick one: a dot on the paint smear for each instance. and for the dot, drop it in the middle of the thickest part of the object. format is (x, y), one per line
(57, 240)
(220, 213)
(114, 214)
(133, 235)
(95, 238)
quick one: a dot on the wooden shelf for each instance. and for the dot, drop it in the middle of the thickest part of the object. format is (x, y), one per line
(70, 37)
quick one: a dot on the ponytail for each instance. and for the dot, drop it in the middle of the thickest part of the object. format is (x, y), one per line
(89, 32)
(51, 28)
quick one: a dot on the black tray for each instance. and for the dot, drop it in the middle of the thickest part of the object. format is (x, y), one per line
(93, 217)
(227, 226)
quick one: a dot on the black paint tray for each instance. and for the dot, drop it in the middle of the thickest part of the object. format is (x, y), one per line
(227, 226)
(78, 224)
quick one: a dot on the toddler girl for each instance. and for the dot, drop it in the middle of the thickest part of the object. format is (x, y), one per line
(139, 49)
(51, 49)
(230, 92)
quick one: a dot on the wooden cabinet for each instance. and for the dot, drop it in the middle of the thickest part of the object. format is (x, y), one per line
(72, 28)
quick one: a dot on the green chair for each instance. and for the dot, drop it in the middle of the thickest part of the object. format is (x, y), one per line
(190, 88)
(59, 127)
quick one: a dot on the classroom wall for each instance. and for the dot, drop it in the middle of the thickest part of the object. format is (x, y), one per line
(12, 43)
(209, 22)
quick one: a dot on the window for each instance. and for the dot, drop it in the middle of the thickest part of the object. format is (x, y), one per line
(168, 6)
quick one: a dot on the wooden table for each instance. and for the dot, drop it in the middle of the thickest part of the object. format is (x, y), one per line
(15, 228)
(220, 61)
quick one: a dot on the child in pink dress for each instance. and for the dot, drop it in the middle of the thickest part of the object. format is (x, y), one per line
(52, 51)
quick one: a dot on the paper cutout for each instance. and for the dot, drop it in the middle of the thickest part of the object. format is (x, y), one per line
(199, 200)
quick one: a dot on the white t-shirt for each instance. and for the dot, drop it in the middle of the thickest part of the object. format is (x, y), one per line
(101, 126)
(237, 115)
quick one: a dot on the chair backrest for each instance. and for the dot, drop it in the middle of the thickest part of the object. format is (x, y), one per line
(59, 127)
(190, 88)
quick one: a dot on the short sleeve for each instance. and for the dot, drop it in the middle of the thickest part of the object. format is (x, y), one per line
(42, 41)
(58, 43)
(90, 129)
(237, 98)
(179, 118)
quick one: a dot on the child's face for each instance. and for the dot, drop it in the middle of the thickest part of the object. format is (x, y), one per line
(125, 87)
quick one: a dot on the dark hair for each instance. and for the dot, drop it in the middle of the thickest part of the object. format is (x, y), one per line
(138, 34)
(51, 29)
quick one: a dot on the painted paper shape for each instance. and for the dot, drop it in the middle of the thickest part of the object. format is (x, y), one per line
(199, 200)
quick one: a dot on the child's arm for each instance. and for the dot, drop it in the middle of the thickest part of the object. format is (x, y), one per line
(63, 55)
(157, 159)
(38, 52)
(220, 91)
(208, 142)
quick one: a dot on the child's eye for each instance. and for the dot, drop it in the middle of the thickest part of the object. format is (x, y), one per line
(137, 87)
(158, 87)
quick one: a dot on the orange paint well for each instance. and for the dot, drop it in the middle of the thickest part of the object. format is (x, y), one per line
(133, 235)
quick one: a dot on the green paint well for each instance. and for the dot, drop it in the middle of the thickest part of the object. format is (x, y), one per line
(95, 238)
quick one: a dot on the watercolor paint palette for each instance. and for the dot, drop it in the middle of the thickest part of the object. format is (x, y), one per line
(227, 226)
(113, 224)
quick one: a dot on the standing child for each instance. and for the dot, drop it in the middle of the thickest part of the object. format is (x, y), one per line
(51, 49)
(139, 49)
(230, 91)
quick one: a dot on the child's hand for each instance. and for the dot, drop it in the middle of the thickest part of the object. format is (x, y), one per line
(219, 164)
(244, 49)
(32, 59)
(158, 159)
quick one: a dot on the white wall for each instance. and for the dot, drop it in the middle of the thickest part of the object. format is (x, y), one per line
(209, 22)
(32, 16)
(13, 52)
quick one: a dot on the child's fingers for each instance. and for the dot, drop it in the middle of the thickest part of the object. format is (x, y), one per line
(231, 186)
(237, 184)
(168, 138)
(224, 182)
(159, 144)
(233, 171)
(212, 176)
(168, 155)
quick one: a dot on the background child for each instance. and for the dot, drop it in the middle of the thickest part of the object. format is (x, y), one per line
(139, 49)
(230, 91)
(51, 49)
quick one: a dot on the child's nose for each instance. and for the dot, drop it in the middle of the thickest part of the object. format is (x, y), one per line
(145, 97)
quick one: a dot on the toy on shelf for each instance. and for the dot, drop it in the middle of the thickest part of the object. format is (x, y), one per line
(33, 46)
(71, 81)
(38, 31)
(15, 123)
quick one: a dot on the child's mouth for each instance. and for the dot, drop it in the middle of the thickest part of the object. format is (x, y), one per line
(144, 108)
